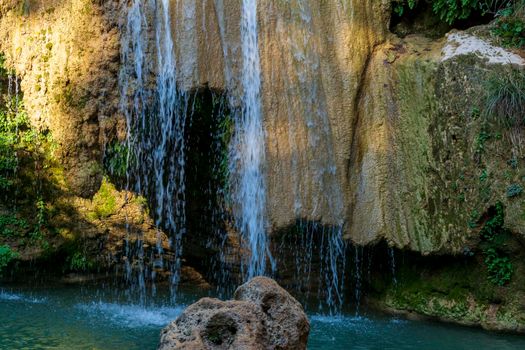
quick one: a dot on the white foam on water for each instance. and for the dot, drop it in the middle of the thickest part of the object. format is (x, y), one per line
(132, 316)
(9, 296)
(339, 319)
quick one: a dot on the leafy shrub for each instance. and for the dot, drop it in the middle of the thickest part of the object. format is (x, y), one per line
(6, 256)
(79, 262)
(493, 235)
(499, 267)
(401, 5)
(494, 225)
(11, 226)
(116, 159)
(510, 25)
(450, 11)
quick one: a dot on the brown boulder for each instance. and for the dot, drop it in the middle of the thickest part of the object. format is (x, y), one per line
(262, 316)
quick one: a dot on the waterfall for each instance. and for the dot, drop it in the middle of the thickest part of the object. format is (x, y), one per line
(155, 136)
(248, 151)
(156, 113)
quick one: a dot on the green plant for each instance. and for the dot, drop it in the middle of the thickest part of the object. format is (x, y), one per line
(484, 175)
(514, 190)
(13, 126)
(493, 235)
(473, 219)
(3, 70)
(450, 11)
(116, 159)
(79, 262)
(494, 224)
(481, 139)
(20, 143)
(11, 226)
(6, 256)
(40, 225)
(399, 6)
(510, 25)
(505, 99)
(499, 267)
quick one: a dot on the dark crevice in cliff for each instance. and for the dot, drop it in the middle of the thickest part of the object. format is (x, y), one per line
(208, 135)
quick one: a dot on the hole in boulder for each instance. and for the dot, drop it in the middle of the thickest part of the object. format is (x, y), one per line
(220, 330)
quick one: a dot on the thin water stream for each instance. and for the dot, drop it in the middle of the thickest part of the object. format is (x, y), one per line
(248, 153)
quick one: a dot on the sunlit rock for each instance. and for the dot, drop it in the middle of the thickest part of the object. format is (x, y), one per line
(261, 316)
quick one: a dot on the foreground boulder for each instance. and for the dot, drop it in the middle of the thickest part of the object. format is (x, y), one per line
(262, 316)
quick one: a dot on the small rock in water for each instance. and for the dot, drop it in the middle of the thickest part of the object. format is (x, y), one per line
(262, 316)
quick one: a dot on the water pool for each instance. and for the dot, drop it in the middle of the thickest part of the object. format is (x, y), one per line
(77, 317)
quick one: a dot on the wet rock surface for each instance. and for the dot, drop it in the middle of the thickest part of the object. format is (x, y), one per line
(262, 316)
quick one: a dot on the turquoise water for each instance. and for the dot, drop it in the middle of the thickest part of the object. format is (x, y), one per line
(85, 318)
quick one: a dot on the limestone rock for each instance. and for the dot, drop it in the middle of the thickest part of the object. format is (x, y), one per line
(66, 55)
(288, 325)
(262, 316)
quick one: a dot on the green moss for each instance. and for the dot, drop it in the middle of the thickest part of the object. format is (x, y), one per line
(71, 98)
(104, 201)
(417, 106)
(448, 292)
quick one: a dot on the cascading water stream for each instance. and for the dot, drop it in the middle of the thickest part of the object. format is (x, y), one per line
(155, 139)
(248, 152)
(133, 100)
(169, 169)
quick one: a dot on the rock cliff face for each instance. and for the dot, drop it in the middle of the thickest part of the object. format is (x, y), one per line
(66, 54)
(313, 61)
(361, 127)
(427, 164)
(363, 130)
